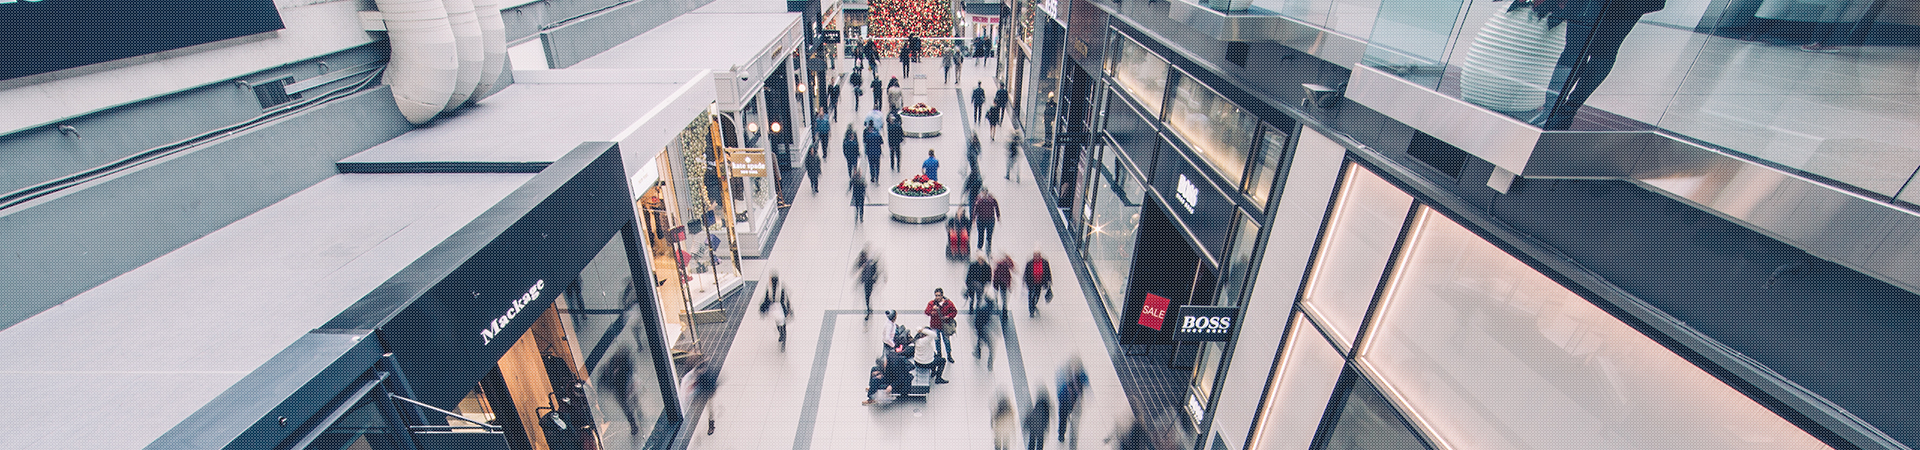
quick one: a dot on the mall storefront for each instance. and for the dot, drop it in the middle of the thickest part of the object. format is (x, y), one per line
(531, 326)
(1369, 309)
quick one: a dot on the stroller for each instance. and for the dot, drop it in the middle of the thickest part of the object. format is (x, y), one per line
(959, 244)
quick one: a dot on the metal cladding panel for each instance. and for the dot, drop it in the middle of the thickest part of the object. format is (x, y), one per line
(1329, 46)
(297, 384)
(1491, 136)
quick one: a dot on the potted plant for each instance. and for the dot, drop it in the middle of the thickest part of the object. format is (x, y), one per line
(918, 200)
(920, 120)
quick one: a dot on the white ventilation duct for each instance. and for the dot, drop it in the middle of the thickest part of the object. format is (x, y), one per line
(424, 61)
(493, 36)
(466, 36)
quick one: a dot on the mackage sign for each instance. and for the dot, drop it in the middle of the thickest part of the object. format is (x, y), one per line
(499, 323)
(1204, 323)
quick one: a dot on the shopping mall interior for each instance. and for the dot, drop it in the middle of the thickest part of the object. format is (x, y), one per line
(1220, 224)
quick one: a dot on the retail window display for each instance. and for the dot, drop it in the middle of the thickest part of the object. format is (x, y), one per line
(902, 18)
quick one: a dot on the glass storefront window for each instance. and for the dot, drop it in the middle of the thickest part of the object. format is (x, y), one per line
(1543, 367)
(1304, 379)
(1112, 220)
(1217, 130)
(1359, 418)
(1354, 250)
(1273, 148)
(1140, 72)
(609, 315)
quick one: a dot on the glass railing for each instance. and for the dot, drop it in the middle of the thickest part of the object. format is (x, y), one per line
(1828, 88)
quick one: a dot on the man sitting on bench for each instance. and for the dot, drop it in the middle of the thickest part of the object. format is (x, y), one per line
(926, 353)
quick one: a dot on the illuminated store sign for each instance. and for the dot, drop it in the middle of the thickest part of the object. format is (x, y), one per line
(1204, 323)
(499, 323)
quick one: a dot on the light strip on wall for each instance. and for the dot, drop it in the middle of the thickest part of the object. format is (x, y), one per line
(1333, 228)
(1393, 284)
(1400, 402)
(1273, 380)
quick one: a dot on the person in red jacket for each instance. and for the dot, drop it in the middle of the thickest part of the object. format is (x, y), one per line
(1003, 277)
(940, 313)
(1039, 276)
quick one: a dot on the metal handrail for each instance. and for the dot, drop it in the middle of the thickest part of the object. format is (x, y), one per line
(489, 427)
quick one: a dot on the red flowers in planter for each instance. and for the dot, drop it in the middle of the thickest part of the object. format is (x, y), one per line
(919, 186)
(919, 110)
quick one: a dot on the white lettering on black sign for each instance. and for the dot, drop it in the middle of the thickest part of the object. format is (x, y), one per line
(1206, 325)
(493, 328)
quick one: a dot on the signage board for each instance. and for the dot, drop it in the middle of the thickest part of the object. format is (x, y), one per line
(1204, 323)
(40, 36)
(1194, 199)
(1153, 312)
(747, 162)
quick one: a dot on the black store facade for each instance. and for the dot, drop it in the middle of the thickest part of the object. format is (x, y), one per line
(532, 327)
(1170, 213)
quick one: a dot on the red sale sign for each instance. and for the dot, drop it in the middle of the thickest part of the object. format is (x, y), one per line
(1153, 312)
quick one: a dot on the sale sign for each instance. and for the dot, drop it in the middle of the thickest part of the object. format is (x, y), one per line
(1153, 312)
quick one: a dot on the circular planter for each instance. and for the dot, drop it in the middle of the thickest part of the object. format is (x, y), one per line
(917, 209)
(920, 127)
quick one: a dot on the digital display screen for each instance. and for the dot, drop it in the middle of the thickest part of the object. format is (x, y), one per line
(40, 36)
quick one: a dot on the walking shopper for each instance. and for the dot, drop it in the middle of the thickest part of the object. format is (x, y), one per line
(1003, 277)
(959, 61)
(986, 213)
(940, 313)
(931, 167)
(983, 315)
(993, 122)
(850, 148)
(878, 92)
(859, 200)
(856, 81)
(698, 387)
(906, 64)
(979, 98)
(926, 353)
(896, 135)
(1000, 96)
(1003, 424)
(979, 273)
(973, 152)
(874, 146)
(973, 185)
(780, 320)
(1038, 417)
(822, 129)
(813, 168)
(893, 95)
(868, 269)
(1072, 384)
(1039, 276)
(914, 46)
(833, 99)
(1013, 158)
(946, 68)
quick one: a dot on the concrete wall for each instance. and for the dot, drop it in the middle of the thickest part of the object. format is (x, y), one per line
(65, 244)
(577, 41)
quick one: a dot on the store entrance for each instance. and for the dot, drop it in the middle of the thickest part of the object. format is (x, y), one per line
(1167, 272)
(539, 392)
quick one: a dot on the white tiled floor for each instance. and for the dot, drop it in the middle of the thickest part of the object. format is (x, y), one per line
(764, 394)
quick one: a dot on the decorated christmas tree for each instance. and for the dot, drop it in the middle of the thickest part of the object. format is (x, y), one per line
(900, 18)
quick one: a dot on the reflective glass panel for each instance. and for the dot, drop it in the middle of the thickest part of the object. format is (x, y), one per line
(1217, 130)
(1309, 367)
(1140, 72)
(1492, 354)
(1366, 220)
(609, 319)
(1113, 220)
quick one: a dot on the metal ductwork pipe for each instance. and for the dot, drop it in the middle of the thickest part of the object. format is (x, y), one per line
(493, 37)
(467, 42)
(424, 56)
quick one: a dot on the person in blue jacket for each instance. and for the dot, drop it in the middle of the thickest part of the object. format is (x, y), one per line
(931, 167)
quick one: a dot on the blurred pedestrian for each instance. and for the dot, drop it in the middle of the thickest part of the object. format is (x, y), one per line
(822, 129)
(856, 81)
(1038, 417)
(983, 315)
(868, 269)
(813, 168)
(1072, 384)
(896, 135)
(979, 98)
(979, 273)
(894, 93)
(1039, 277)
(1013, 158)
(850, 148)
(833, 99)
(875, 144)
(859, 200)
(994, 114)
(986, 213)
(1003, 423)
(697, 388)
(1003, 277)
